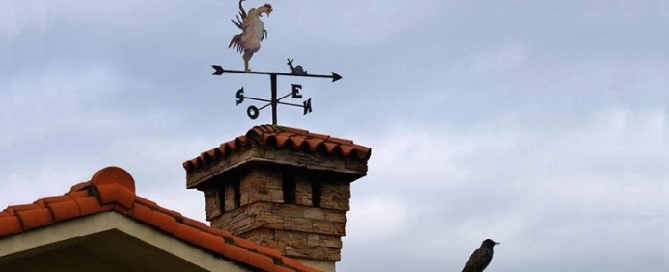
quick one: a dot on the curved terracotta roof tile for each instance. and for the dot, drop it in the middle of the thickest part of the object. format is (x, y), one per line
(281, 136)
(281, 140)
(113, 189)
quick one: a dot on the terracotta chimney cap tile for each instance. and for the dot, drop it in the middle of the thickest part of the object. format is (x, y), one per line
(330, 147)
(346, 150)
(281, 136)
(319, 136)
(281, 140)
(293, 130)
(339, 141)
(313, 143)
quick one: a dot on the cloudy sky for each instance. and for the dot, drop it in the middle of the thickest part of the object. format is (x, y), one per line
(540, 124)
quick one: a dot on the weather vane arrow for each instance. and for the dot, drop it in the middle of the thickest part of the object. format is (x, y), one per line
(218, 70)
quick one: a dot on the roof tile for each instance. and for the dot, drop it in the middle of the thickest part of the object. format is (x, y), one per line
(114, 175)
(56, 199)
(314, 143)
(63, 210)
(88, 205)
(280, 136)
(283, 269)
(163, 221)
(113, 189)
(213, 243)
(77, 194)
(142, 213)
(24, 207)
(34, 218)
(245, 243)
(188, 233)
(80, 186)
(115, 193)
(281, 140)
(261, 261)
(6, 213)
(237, 254)
(10, 225)
(330, 147)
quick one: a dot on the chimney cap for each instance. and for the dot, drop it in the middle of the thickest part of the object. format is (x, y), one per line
(282, 137)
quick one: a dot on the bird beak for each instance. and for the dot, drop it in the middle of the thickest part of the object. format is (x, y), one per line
(496, 243)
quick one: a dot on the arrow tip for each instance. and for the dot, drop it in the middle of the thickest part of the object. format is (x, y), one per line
(335, 77)
(218, 70)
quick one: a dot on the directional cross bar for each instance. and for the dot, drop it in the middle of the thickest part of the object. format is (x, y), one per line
(218, 70)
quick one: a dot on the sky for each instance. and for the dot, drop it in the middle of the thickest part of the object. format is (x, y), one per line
(539, 124)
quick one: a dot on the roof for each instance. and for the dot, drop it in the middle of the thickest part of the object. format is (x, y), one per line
(282, 137)
(112, 189)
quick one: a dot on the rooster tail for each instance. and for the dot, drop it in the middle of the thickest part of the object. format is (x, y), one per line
(236, 42)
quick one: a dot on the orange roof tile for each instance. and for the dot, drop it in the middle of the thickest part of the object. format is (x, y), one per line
(282, 137)
(113, 189)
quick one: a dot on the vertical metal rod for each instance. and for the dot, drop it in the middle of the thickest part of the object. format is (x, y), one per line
(272, 78)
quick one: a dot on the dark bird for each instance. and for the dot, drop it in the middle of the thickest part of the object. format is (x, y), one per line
(481, 257)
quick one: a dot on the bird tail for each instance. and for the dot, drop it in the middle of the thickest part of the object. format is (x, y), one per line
(236, 42)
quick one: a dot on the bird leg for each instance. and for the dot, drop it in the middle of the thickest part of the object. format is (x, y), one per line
(246, 58)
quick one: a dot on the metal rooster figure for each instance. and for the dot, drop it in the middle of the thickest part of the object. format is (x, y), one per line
(248, 43)
(253, 32)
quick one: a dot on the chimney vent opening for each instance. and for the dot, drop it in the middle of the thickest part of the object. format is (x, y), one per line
(288, 189)
(316, 193)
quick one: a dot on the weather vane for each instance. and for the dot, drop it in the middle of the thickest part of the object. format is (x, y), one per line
(248, 43)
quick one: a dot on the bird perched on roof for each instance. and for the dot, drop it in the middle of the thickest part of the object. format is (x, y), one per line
(253, 31)
(481, 257)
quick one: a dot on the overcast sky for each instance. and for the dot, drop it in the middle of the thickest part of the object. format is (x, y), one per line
(539, 124)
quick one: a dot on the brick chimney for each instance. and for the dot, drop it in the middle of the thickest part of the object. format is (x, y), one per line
(283, 188)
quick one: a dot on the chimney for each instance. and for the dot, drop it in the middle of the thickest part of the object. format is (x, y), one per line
(283, 188)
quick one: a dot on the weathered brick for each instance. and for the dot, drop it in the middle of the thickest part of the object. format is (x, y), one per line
(330, 241)
(313, 239)
(340, 229)
(260, 207)
(335, 216)
(288, 210)
(314, 213)
(212, 204)
(300, 224)
(324, 227)
(290, 238)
